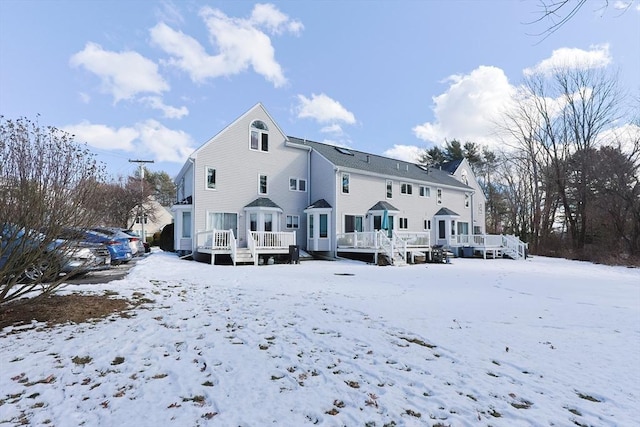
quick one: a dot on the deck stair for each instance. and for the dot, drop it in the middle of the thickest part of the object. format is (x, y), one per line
(513, 247)
(243, 256)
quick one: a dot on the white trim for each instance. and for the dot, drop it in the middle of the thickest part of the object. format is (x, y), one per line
(266, 177)
(206, 178)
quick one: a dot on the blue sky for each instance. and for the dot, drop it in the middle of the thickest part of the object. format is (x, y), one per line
(156, 79)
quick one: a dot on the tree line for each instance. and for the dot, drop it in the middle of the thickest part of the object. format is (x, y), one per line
(564, 182)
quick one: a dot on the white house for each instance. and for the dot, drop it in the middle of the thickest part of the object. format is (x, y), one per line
(152, 221)
(251, 192)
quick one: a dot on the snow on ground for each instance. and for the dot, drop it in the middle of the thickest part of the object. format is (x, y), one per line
(540, 342)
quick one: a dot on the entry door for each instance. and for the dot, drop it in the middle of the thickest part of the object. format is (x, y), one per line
(223, 221)
(442, 231)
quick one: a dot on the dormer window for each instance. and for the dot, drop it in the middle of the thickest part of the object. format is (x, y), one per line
(259, 136)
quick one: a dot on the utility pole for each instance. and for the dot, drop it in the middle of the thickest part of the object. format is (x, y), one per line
(141, 209)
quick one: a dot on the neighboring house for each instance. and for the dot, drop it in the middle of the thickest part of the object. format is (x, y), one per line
(152, 221)
(251, 192)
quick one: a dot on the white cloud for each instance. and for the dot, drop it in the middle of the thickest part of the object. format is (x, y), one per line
(149, 137)
(323, 109)
(572, 58)
(169, 12)
(267, 15)
(122, 74)
(622, 5)
(333, 128)
(468, 109)
(166, 145)
(241, 44)
(408, 153)
(85, 98)
(103, 137)
(168, 111)
(626, 137)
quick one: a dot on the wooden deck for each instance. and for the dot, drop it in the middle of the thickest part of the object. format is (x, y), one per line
(260, 243)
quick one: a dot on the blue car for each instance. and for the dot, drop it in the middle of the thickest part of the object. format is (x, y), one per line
(119, 248)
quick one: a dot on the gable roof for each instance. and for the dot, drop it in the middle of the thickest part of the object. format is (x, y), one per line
(446, 212)
(372, 163)
(383, 206)
(319, 204)
(451, 166)
(263, 202)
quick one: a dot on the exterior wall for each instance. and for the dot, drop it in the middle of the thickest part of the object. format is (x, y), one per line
(237, 170)
(366, 191)
(184, 182)
(479, 199)
(161, 218)
(323, 186)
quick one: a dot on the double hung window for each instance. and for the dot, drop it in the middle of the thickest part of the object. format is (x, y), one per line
(259, 140)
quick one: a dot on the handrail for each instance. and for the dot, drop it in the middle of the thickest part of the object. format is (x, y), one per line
(233, 243)
(414, 239)
(357, 239)
(251, 245)
(385, 243)
(214, 239)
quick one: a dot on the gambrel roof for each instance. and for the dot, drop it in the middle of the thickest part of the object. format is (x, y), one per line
(371, 163)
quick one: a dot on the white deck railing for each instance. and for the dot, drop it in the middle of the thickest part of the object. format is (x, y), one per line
(483, 240)
(214, 239)
(272, 239)
(358, 239)
(413, 239)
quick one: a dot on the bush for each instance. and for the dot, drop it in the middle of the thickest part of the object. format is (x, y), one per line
(166, 238)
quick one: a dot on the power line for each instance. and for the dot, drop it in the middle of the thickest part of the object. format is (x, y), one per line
(141, 164)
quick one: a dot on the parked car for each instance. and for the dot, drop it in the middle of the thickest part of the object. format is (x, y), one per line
(137, 248)
(117, 245)
(82, 256)
(46, 259)
(135, 239)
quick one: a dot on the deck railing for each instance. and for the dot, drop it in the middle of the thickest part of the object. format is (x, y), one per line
(358, 239)
(484, 240)
(272, 239)
(214, 239)
(517, 247)
(413, 239)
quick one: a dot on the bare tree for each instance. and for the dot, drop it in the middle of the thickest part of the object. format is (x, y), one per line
(47, 181)
(556, 124)
(556, 13)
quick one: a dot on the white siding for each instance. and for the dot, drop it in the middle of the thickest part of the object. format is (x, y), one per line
(237, 170)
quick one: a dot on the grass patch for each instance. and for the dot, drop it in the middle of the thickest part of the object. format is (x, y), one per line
(418, 341)
(82, 360)
(198, 400)
(413, 413)
(587, 397)
(523, 404)
(118, 360)
(494, 413)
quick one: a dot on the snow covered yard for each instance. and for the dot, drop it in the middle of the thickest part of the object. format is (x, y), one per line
(475, 343)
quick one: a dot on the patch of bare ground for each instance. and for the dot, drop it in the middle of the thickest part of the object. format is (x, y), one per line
(57, 309)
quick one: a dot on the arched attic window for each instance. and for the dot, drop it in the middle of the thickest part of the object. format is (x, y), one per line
(259, 140)
(465, 180)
